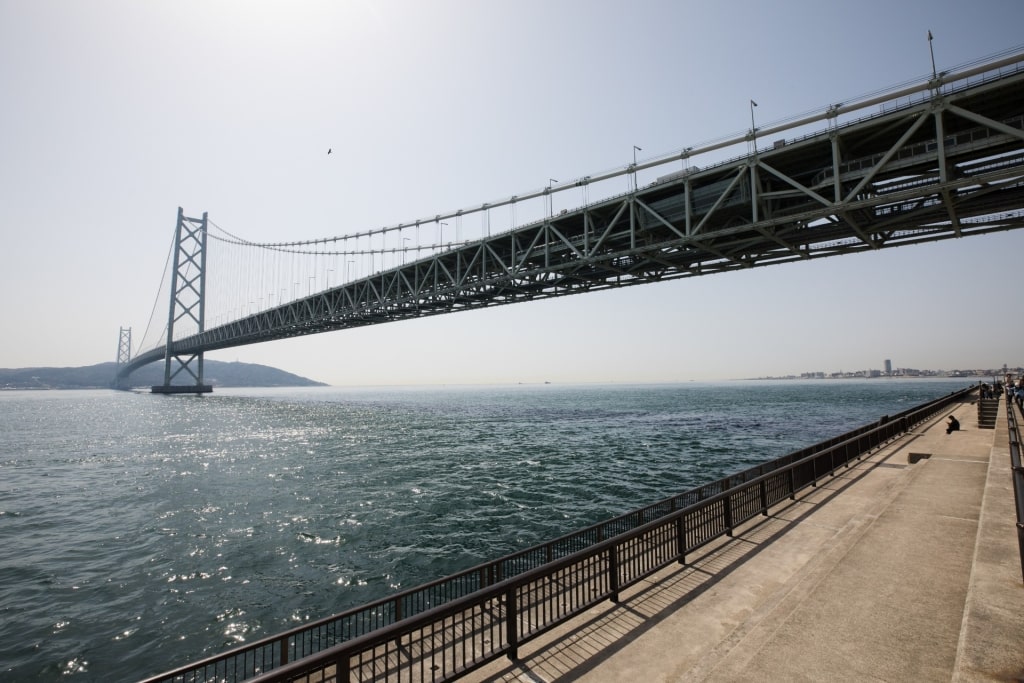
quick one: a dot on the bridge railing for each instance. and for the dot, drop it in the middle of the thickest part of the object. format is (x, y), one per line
(582, 568)
(1017, 472)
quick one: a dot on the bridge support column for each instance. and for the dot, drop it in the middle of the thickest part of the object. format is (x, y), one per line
(188, 302)
(124, 356)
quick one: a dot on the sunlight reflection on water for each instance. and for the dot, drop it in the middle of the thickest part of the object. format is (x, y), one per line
(142, 532)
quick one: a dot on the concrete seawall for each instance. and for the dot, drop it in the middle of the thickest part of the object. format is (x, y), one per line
(904, 567)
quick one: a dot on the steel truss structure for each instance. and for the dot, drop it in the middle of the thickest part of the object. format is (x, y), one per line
(188, 300)
(948, 165)
(124, 355)
(124, 346)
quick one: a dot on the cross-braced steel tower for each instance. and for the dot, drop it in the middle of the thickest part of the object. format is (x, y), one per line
(124, 346)
(188, 300)
(124, 355)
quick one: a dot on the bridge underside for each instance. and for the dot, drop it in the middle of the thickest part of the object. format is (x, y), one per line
(948, 166)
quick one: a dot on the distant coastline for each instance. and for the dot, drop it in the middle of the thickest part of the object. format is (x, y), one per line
(101, 376)
(998, 374)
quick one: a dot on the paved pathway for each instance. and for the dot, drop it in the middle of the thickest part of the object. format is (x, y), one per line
(903, 568)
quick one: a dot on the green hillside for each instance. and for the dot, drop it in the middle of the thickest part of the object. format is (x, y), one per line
(217, 373)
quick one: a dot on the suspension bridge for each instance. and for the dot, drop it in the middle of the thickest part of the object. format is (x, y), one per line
(936, 159)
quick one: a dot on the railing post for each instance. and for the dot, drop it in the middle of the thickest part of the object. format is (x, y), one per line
(792, 483)
(343, 666)
(283, 650)
(511, 629)
(764, 497)
(728, 515)
(613, 569)
(681, 538)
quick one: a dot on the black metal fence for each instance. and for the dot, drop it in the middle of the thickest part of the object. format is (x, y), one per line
(1017, 472)
(446, 628)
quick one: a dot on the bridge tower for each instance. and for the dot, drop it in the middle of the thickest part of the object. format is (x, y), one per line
(124, 346)
(124, 354)
(188, 300)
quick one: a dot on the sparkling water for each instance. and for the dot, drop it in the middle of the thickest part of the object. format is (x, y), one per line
(141, 532)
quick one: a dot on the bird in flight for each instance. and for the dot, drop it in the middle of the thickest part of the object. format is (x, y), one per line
(328, 150)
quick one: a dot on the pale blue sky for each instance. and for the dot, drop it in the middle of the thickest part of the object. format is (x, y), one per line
(115, 113)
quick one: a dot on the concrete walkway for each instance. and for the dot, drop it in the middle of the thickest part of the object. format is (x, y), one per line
(904, 567)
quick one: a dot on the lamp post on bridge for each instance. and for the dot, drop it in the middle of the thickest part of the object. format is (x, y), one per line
(753, 128)
(404, 240)
(931, 51)
(635, 150)
(551, 200)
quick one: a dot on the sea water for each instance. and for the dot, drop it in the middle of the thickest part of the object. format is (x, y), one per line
(141, 532)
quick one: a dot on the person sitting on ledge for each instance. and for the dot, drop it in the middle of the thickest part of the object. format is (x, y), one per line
(953, 426)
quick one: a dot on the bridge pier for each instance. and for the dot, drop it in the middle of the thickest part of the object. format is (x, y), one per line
(182, 389)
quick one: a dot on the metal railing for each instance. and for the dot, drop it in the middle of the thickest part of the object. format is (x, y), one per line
(1017, 472)
(443, 629)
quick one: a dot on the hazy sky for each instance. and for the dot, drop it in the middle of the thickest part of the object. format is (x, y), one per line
(115, 113)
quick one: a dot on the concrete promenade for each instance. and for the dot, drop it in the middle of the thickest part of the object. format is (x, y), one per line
(904, 567)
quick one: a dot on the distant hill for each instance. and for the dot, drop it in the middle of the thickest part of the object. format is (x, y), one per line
(217, 373)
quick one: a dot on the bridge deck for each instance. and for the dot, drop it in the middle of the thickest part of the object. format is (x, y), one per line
(892, 571)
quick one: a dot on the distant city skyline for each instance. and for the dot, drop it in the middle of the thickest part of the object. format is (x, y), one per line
(119, 112)
(905, 372)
